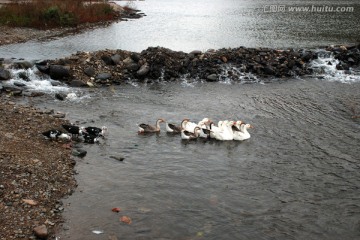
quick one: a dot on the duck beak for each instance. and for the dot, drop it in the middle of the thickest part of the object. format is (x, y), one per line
(251, 126)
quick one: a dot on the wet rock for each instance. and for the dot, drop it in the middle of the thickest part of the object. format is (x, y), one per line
(128, 60)
(143, 71)
(4, 74)
(23, 65)
(19, 84)
(41, 232)
(60, 96)
(59, 72)
(212, 77)
(89, 71)
(43, 68)
(59, 115)
(103, 76)
(78, 152)
(119, 158)
(24, 76)
(77, 83)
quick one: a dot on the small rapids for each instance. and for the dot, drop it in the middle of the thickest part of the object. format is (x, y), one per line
(325, 67)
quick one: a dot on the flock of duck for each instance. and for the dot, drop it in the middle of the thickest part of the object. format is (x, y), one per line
(87, 134)
(224, 130)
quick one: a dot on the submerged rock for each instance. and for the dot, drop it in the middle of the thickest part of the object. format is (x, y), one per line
(4, 74)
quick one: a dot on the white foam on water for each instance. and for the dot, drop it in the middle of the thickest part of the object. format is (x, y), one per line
(325, 69)
(36, 82)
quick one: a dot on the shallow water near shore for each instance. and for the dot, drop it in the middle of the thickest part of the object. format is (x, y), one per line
(296, 178)
(188, 25)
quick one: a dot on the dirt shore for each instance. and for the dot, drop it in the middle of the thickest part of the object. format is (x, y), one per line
(35, 173)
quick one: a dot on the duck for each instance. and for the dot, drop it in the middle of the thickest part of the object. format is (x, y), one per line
(224, 133)
(97, 132)
(74, 130)
(243, 134)
(56, 134)
(186, 135)
(236, 126)
(146, 128)
(89, 138)
(190, 126)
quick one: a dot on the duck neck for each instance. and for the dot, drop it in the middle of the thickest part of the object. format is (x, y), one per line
(158, 124)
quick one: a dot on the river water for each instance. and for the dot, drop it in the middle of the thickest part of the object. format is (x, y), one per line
(297, 177)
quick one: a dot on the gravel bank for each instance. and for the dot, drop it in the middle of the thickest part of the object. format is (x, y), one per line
(35, 174)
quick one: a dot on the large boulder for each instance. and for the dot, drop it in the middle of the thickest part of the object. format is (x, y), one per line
(59, 72)
(4, 74)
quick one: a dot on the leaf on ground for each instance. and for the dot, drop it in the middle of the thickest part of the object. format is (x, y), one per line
(125, 219)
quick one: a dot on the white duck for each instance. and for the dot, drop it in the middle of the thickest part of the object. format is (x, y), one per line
(190, 126)
(243, 134)
(225, 133)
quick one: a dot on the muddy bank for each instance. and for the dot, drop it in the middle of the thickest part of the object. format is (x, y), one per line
(35, 173)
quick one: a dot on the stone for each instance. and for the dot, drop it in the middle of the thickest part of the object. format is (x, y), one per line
(60, 96)
(4, 74)
(59, 115)
(43, 68)
(78, 152)
(115, 59)
(107, 60)
(212, 77)
(59, 72)
(19, 84)
(89, 71)
(41, 232)
(132, 67)
(128, 60)
(103, 76)
(23, 65)
(143, 71)
(119, 158)
(24, 76)
(77, 83)
(135, 57)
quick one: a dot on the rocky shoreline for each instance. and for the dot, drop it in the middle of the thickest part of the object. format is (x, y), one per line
(35, 173)
(107, 67)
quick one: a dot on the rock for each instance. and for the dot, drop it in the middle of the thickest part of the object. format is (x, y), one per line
(43, 68)
(107, 60)
(269, 70)
(23, 65)
(212, 77)
(115, 59)
(196, 52)
(4, 74)
(103, 76)
(24, 76)
(132, 67)
(78, 152)
(41, 232)
(128, 60)
(59, 72)
(135, 57)
(59, 115)
(77, 83)
(224, 59)
(89, 71)
(19, 84)
(143, 71)
(119, 158)
(60, 96)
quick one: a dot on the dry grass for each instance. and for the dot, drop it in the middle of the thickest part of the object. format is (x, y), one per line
(44, 14)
